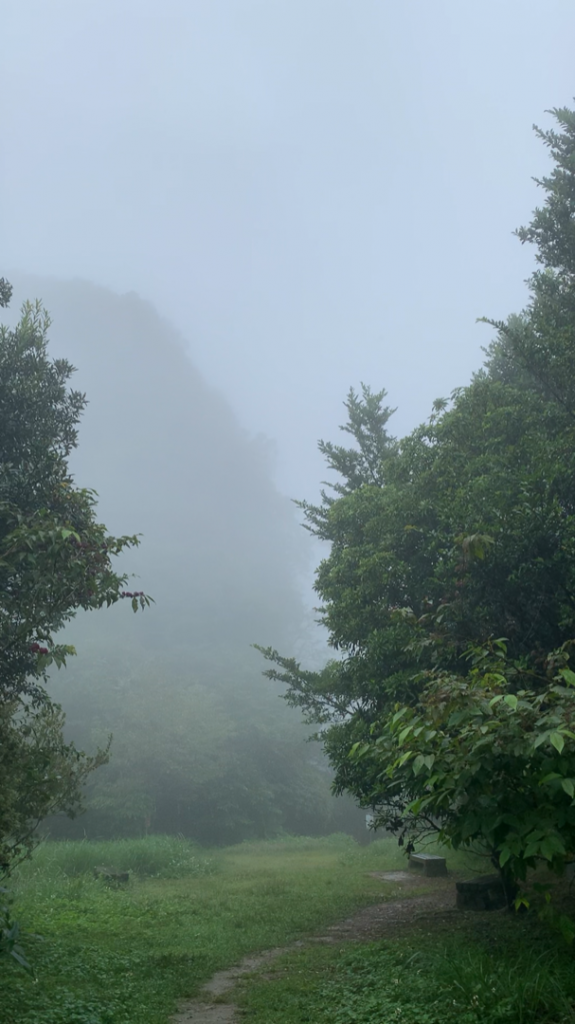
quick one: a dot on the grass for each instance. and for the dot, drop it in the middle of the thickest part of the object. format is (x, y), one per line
(413, 983)
(156, 856)
(471, 969)
(113, 956)
(126, 955)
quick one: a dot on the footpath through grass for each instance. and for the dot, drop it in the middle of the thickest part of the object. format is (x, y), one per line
(126, 955)
(502, 977)
(448, 968)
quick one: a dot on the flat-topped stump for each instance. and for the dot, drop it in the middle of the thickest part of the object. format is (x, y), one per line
(483, 893)
(428, 864)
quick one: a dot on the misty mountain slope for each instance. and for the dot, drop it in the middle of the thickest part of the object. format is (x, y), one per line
(201, 743)
(221, 549)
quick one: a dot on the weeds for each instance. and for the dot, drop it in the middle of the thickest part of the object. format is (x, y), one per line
(457, 983)
(127, 955)
(10, 935)
(154, 856)
(520, 985)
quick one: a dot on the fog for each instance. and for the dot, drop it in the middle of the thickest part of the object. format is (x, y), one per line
(233, 211)
(201, 742)
(314, 193)
(170, 461)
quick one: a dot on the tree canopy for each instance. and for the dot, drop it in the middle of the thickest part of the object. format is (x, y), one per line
(449, 589)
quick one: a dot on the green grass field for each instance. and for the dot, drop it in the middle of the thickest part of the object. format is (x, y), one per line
(119, 955)
(461, 979)
(126, 955)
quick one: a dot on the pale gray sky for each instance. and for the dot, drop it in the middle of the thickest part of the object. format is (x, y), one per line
(316, 192)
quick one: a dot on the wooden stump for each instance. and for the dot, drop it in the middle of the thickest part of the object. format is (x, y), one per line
(483, 893)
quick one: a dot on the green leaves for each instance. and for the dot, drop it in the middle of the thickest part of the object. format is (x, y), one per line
(475, 545)
(421, 761)
(457, 534)
(10, 936)
(557, 741)
(498, 772)
(568, 676)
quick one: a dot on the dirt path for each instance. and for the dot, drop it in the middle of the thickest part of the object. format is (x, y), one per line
(381, 920)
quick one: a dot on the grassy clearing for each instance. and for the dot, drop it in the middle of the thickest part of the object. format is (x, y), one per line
(505, 976)
(125, 956)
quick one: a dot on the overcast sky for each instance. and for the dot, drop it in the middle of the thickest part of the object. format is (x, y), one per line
(316, 192)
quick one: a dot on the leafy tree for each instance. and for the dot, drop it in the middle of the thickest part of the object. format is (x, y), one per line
(441, 543)
(54, 559)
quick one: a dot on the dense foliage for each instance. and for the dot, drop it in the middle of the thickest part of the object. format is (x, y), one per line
(449, 590)
(492, 976)
(54, 559)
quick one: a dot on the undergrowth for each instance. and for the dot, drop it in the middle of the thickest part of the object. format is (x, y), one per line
(420, 981)
(154, 856)
(127, 955)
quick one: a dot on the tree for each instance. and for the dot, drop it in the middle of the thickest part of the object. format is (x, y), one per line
(441, 544)
(54, 559)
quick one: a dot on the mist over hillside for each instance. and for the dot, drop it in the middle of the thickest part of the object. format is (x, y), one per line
(221, 549)
(201, 743)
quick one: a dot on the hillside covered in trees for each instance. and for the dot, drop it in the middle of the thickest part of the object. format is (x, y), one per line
(201, 743)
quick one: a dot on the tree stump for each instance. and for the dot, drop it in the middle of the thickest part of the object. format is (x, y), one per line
(484, 893)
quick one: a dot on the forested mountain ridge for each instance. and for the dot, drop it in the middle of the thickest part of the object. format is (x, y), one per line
(201, 743)
(165, 452)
